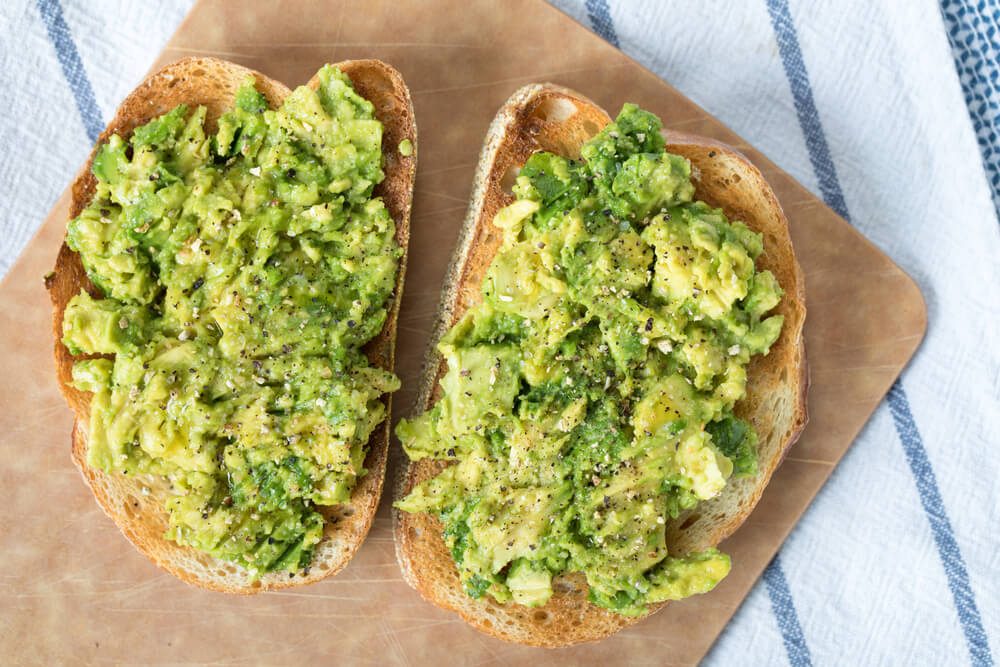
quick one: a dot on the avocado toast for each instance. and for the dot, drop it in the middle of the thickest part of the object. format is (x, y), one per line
(548, 482)
(284, 488)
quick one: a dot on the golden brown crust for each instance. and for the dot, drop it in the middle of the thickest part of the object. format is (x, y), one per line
(213, 83)
(547, 117)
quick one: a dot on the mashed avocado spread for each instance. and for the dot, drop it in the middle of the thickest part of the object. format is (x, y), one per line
(241, 273)
(589, 396)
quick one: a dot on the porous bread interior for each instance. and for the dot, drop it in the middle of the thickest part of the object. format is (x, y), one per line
(551, 118)
(136, 504)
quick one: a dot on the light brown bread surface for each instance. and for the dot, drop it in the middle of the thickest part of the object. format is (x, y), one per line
(550, 118)
(213, 83)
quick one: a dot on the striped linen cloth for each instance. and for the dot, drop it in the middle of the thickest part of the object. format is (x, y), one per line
(889, 112)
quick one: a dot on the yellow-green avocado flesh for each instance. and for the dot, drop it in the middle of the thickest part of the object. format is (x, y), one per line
(589, 397)
(242, 272)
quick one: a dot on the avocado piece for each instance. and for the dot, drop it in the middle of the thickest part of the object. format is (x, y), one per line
(678, 578)
(529, 585)
(103, 326)
(651, 182)
(516, 519)
(494, 369)
(736, 440)
(667, 402)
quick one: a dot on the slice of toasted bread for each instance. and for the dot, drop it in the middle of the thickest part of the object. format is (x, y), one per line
(213, 83)
(550, 118)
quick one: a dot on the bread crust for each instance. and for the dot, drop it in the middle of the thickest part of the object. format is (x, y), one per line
(140, 516)
(552, 118)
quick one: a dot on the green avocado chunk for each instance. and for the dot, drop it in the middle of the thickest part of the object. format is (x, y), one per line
(589, 397)
(242, 272)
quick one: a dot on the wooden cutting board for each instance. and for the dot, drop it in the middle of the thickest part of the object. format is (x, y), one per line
(73, 590)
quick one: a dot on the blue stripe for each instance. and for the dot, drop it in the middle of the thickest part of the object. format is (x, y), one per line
(944, 536)
(784, 610)
(805, 106)
(72, 66)
(777, 587)
(899, 404)
(600, 17)
(973, 29)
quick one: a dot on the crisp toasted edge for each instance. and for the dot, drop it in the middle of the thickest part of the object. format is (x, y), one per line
(140, 516)
(548, 117)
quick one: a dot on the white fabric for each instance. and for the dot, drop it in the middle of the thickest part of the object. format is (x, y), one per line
(863, 567)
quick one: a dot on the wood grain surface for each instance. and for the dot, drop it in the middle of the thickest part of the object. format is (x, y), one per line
(72, 590)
